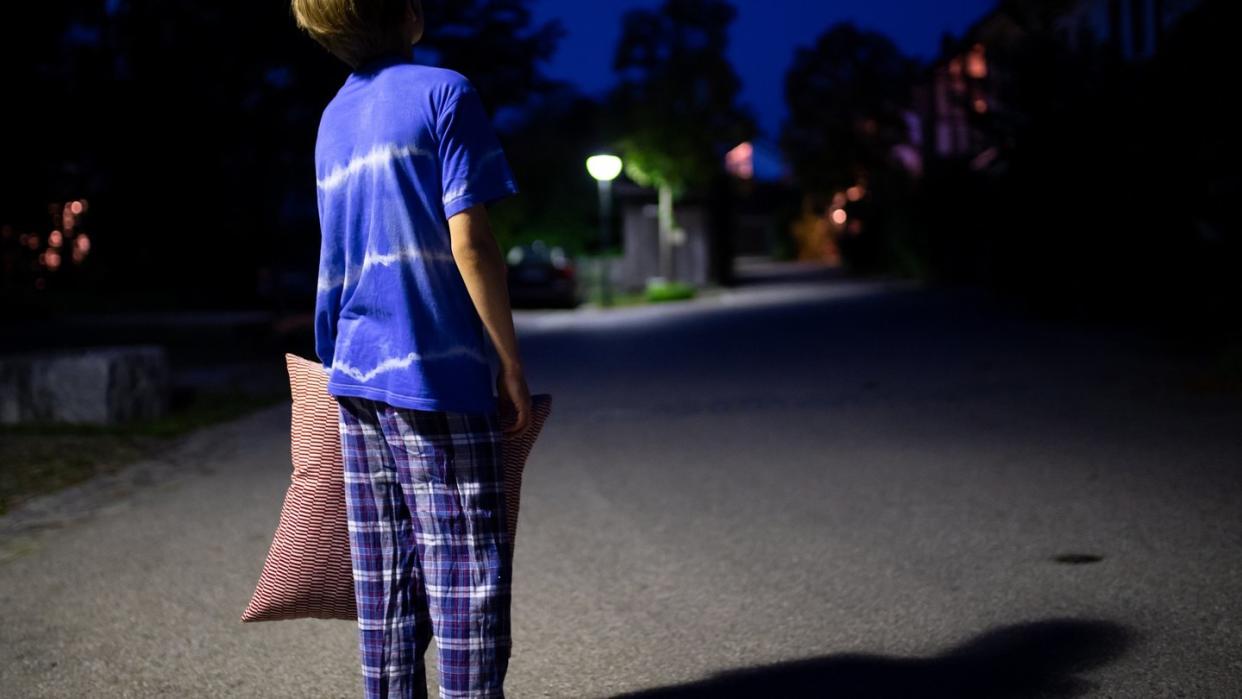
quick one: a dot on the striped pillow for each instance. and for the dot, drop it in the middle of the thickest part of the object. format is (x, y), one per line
(308, 572)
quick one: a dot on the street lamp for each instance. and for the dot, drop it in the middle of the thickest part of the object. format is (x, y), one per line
(604, 168)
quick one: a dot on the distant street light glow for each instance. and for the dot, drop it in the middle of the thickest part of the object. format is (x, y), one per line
(604, 168)
(839, 216)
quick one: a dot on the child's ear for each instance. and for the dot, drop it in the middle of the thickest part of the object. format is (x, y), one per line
(414, 15)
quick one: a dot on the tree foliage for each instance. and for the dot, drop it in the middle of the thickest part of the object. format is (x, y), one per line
(847, 95)
(675, 110)
(1117, 195)
(190, 126)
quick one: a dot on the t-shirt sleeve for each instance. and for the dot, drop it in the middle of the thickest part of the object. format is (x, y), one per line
(473, 167)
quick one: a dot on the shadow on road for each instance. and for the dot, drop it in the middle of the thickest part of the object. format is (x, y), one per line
(1021, 661)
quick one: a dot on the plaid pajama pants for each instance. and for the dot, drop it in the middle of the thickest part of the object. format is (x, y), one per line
(429, 546)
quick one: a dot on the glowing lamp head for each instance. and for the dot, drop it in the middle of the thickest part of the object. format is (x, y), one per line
(604, 167)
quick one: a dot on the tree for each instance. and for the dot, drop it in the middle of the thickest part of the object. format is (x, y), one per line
(546, 149)
(675, 111)
(190, 127)
(494, 43)
(848, 95)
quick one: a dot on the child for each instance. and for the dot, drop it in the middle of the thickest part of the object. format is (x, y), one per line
(409, 277)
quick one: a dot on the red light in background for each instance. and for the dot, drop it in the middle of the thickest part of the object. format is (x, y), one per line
(976, 62)
(740, 160)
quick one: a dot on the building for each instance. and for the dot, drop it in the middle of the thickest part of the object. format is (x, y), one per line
(963, 82)
(704, 242)
(1134, 28)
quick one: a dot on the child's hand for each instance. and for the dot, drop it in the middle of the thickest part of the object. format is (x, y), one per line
(514, 399)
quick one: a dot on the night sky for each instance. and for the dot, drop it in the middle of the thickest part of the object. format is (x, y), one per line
(763, 37)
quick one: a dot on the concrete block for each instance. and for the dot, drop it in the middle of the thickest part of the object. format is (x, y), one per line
(94, 385)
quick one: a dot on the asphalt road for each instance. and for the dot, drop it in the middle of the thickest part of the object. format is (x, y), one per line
(805, 487)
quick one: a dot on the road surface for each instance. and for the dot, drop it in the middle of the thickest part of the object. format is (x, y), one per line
(807, 486)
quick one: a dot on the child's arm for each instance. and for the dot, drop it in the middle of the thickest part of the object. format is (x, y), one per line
(483, 270)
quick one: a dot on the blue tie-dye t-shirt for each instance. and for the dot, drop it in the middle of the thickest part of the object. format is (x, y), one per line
(401, 148)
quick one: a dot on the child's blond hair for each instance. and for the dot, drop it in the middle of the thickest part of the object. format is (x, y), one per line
(354, 30)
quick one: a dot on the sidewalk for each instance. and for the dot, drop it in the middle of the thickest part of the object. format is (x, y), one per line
(760, 281)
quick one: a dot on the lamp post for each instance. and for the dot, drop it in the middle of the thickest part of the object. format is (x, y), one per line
(604, 168)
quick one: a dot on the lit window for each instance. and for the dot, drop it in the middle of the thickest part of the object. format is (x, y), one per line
(977, 63)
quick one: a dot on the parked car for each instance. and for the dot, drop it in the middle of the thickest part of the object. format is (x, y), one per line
(541, 276)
